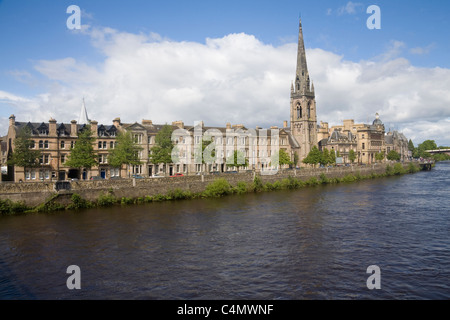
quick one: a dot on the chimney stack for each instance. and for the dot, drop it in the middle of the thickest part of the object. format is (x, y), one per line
(52, 127)
(73, 128)
(12, 120)
(94, 128)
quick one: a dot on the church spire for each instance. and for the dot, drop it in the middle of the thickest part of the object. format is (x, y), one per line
(84, 119)
(302, 81)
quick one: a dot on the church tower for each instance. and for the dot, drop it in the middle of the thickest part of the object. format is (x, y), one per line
(303, 103)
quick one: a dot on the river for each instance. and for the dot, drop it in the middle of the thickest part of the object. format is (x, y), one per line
(312, 243)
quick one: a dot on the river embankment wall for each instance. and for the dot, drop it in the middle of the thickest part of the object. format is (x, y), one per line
(35, 193)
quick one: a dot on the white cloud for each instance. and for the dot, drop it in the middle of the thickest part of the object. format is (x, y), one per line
(235, 79)
(349, 8)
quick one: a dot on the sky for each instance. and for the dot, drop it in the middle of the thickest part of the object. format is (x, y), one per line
(226, 61)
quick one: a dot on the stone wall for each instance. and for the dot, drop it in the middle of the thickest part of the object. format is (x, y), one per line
(34, 193)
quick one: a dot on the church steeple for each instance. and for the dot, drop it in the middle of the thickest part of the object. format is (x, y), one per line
(302, 81)
(84, 119)
(303, 103)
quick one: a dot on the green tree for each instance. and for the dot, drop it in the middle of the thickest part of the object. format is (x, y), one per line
(283, 158)
(296, 159)
(162, 151)
(332, 158)
(411, 146)
(393, 156)
(325, 157)
(126, 151)
(314, 156)
(23, 154)
(427, 145)
(82, 154)
(237, 159)
(352, 156)
(380, 156)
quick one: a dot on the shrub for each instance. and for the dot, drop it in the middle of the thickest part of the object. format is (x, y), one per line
(257, 185)
(8, 207)
(126, 201)
(291, 183)
(159, 197)
(241, 188)
(78, 203)
(398, 169)
(106, 200)
(218, 188)
(324, 179)
(178, 194)
(412, 168)
(389, 170)
(349, 178)
(312, 182)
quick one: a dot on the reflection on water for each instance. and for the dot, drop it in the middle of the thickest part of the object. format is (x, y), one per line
(313, 243)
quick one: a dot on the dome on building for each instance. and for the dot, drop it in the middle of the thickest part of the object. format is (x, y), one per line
(377, 120)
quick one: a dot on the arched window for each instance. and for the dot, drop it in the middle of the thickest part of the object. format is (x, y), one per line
(299, 111)
(309, 110)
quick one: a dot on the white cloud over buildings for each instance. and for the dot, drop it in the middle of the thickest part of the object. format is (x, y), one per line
(236, 79)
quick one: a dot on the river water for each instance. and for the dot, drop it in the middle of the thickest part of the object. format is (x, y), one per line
(312, 243)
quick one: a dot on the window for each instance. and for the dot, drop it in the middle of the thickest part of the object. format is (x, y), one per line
(111, 145)
(32, 144)
(44, 159)
(72, 144)
(33, 175)
(102, 159)
(104, 145)
(46, 144)
(63, 144)
(363, 146)
(138, 138)
(115, 172)
(100, 145)
(63, 158)
(41, 144)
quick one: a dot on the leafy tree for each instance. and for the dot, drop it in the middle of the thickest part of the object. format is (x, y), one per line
(393, 156)
(237, 159)
(332, 158)
(125, 152)
(380, 156)
(283, 158)
(352, 155)
(23, 154)
(296, 158)
(314, 156)
(411, 146)
(162, 151)
(82, 154)
(425, 146)
(325, 157)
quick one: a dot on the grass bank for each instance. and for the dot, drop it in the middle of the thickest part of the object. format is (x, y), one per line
(218, 188)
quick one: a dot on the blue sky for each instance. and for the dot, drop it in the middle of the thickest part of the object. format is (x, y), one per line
(37, 50)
